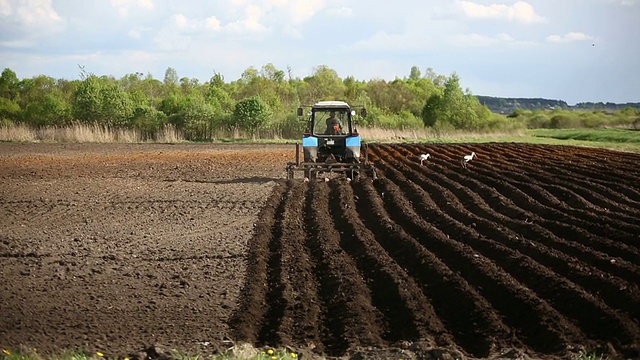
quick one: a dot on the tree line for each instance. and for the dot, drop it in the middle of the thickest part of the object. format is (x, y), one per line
(262, 102)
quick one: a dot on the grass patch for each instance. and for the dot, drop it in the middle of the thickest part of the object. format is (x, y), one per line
(595, 135)
(589, 356)
(239, 352)
(615, 139)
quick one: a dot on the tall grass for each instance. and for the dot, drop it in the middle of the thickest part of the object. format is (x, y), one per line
(81, 133)
(619, 139)
(432, 135)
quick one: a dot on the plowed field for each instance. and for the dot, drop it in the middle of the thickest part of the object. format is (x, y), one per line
(531, 250)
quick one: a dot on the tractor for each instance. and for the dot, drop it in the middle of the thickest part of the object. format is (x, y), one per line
(331, 143)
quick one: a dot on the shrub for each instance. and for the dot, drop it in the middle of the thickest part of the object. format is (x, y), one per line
(539, 121)
(564, 121)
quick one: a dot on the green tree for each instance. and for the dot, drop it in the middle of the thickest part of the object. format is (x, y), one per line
(269, 83)
(218, 96)
(149, 121)
(455, 108)
(192, 114)
(9, 89)
(415, 74)
(198, 118)
(432, 110)
(171, 77)
(9, 111)
(49, 110)
(323, 84)
(377, 90)
(420, 90)
(43, 101)
(436, 79)
(9, 84)
(102, 101)
(251, 113)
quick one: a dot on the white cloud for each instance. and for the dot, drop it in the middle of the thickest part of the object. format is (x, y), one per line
(34, 12)
(342, 11)
(249, 23)
(124, 6)
(24, 22)
(277, 3)
(253, 18)
(294, 12)
(5, 8)
(625, 2)
(569, 37)
(302, 11)
(182, 22)
(521, 11)
(213, 23)
(181, 32)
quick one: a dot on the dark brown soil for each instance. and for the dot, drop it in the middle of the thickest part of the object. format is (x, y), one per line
(530, 251)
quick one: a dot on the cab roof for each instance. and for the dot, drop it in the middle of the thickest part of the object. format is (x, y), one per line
(331, 105)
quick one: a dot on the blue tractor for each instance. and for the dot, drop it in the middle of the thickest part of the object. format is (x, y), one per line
(331, 143)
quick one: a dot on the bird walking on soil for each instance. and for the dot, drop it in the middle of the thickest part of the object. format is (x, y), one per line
(424, 157)
(468, 158)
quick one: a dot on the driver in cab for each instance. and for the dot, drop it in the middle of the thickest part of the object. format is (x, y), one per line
(334, 125)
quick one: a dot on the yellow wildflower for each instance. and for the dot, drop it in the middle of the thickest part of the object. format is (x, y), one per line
(274, 358)
(294, 355)
(270, 351)
(6, 352)
(100, 354)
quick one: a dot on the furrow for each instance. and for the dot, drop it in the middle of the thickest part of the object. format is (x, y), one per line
(526, 314)
(515, 204)
(296, 285)
(459, 307)
(348, 315)
(255, 310)
(404, 308)
(622, 294)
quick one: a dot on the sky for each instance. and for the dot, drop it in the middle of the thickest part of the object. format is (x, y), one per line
(571, 50)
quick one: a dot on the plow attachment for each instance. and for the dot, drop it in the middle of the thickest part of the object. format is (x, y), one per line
(312, 170)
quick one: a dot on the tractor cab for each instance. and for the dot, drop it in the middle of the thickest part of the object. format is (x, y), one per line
(336, 122)
(331, 133)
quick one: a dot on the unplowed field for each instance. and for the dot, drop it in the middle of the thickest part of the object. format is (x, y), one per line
(529, 250)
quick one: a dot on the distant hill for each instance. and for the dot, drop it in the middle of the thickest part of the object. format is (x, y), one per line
(509, 105)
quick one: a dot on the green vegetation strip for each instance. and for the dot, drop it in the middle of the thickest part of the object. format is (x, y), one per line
(597, 135)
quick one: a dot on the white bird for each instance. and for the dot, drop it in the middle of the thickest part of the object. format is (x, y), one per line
(423, 157)
(468, 158)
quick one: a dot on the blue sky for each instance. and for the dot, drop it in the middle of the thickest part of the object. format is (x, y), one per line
(573, 50)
